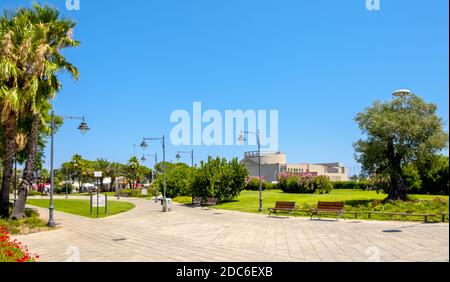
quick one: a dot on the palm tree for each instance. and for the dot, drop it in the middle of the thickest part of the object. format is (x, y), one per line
(133, 167)
(51, 35)
(102, 165)
(16, 37)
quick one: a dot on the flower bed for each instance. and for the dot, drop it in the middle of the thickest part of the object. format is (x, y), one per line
(13, 251)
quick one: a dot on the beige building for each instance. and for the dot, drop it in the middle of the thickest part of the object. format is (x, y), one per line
(274, 164)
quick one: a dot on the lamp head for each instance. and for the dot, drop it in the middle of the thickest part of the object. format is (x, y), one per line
(84, 128)
(144, 145)
(241, 139)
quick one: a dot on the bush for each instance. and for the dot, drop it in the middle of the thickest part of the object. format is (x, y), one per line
(220, 179)
(137, 193)
(179, 178)
(183, 200)
(64, 188)
(356, 185)
(13, 251)
(322, 185)
(305, 184)
(252, 184)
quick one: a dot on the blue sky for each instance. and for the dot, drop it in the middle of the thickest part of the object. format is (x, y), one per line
(318, 62)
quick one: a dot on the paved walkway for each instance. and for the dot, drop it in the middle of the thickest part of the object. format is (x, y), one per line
(193, 234)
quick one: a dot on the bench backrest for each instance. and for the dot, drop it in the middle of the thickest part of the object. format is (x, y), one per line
(197, 200)
(212, 201)
(330, 206)
(285, 205)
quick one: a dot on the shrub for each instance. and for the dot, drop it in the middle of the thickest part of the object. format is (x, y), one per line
(136, 193)
(183, 199)
(179, 178)
(220, 179)
(252, 184)
(64, 188)
(356, 185)
(305, 184)
(322, 184)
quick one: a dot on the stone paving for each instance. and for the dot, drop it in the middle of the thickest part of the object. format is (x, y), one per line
(207, 235)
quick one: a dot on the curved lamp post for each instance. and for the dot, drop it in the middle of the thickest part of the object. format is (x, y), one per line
(241, 140)
(83, 128)
(144, 146)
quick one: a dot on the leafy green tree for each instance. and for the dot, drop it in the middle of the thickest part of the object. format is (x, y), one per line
(434, 174)
(132, 171)
(397, 133)
(179, 180)
(220, 179)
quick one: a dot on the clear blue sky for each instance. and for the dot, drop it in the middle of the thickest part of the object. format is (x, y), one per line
(319, 62)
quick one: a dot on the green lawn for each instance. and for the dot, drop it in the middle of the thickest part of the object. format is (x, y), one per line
(356, 200)
(81, 207)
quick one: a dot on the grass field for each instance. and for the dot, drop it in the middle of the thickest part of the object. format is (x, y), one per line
(356, 200)
(81, 207)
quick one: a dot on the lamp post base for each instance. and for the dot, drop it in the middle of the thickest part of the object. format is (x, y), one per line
(51, 223)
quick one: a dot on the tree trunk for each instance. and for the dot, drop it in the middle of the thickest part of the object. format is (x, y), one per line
(397, 188)
(8, 165)
(28, 174)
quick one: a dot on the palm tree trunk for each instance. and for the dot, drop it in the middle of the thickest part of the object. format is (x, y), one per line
(8, 164)
(28, 174)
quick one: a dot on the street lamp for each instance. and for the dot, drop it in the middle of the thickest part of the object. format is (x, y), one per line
(178, 156)
(84, 128)
(144, 146)
(241, 140)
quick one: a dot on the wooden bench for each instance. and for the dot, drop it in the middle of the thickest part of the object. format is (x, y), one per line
(285, 207)
(211, 202)
(196, 201)
(328, 207)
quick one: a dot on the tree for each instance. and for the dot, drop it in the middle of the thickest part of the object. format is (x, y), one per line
(15, 52)
(52, 34)
(398, 132)
(132, 169)
(179, 180)
(103, 166)
(219, 178)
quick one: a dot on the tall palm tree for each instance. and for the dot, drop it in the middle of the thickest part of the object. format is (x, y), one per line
(102, 165)
(47, 35)
(16, 37)
(52, 34)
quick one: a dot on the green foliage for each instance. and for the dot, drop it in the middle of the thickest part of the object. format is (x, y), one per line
(393, 140)
(179, 179)
(183, 200)
(252, 184)
(412, 178)
(361, 184)
(64, 188)
(220, 179)
(29, 224)
(355, 200)
(305, 184)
